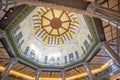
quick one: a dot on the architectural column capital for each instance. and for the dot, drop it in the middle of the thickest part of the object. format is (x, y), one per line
(95, 8)
(8, 68)
(91, 8)
(63, 74)
(88, 71)
(38, 71)
(62, 70)
(85, 63)
(13, 60)
(105, 46)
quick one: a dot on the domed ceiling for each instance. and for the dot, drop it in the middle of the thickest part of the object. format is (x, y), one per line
(55, 27)
(53, 37)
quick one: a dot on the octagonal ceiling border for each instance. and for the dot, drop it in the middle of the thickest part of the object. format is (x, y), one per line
(15, 50)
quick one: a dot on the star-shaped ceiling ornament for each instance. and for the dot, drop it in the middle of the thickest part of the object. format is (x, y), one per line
(55, 26)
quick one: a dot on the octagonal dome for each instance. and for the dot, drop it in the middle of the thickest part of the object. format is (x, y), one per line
(52, 37)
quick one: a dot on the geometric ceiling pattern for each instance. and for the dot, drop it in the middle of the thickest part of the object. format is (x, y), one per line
(55, 26)
(110, 34)
(51, 36)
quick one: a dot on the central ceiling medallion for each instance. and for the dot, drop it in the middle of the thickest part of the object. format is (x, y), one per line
(55, 26)
(55, 23)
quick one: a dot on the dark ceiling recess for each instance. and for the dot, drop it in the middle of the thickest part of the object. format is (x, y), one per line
(78, 4)
(94, 54)
(99, 29)
(10, 15)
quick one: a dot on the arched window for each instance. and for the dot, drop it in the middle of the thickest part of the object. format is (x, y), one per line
(32, 54)
(58, 61)
(86, 44)
(46, 58)
(77, 54)
(90, 38)
(26, 50)
(83, 49)
(52, 60)
(65, 58)
(71, 57)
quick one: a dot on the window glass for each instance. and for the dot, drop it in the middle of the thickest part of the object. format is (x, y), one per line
(52, 60)
(46, 58)
(71, 57)
(86, 44)
(58, 60)
(26, 50)
(19, 36)
(21, 43)
(90, 38)
(83, 49)
(77, 54)
(65, 59)
(32, 54)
